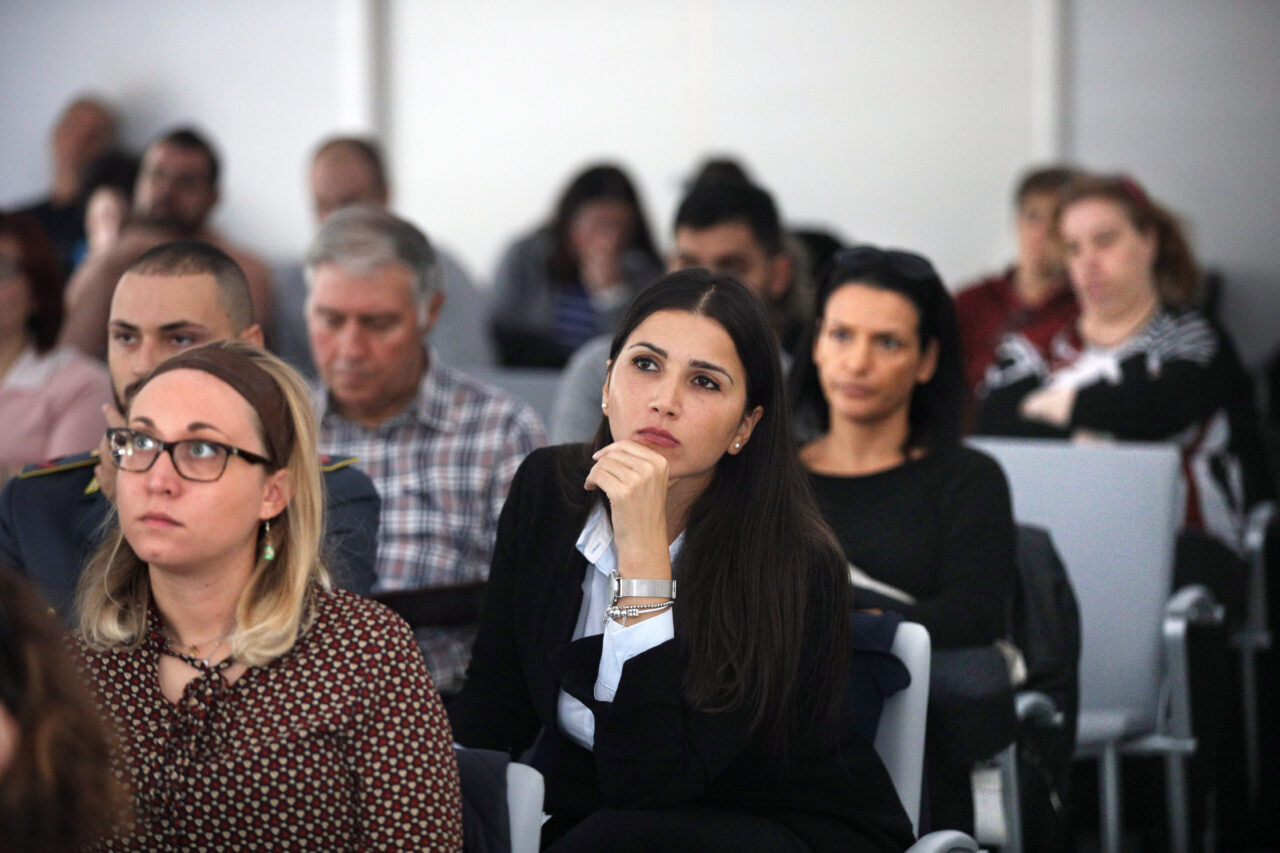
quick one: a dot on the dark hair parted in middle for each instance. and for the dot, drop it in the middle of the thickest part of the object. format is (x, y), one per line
(604, 182)
(757, 557)
(936, 405)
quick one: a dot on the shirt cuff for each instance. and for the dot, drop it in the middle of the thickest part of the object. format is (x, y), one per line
(620, 644)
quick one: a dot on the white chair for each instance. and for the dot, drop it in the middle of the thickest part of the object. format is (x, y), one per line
(900, 739)
(1114, 512)
(525, 790)
(502, 801)
(899, 742)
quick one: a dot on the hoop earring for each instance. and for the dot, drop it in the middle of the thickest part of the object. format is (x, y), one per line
(268, 550)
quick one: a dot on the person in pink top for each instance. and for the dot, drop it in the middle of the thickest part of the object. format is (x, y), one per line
(51, 397)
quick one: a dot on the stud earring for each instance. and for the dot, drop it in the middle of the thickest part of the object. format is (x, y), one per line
(737, 445)
(604, 405)
(268, 550)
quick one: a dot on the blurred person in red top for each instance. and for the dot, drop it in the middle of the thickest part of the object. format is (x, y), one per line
(1031, 297)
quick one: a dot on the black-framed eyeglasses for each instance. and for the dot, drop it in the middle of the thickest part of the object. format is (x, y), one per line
(906, 264)
(198, 459)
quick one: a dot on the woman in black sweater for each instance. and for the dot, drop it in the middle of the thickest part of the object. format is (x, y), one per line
(925, 522)
(709, 721)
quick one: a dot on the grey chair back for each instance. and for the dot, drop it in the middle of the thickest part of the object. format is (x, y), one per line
(1113, 512)
(535, 385)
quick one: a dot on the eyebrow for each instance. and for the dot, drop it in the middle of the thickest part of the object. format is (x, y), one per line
(696, 363)
(732, 258)
(321, 308)
(194, 426)
(167, 327)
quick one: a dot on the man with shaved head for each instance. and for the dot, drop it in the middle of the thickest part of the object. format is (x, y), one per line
(174, 297)
(347, 170)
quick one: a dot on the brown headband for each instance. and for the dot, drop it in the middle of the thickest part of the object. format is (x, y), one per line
(234, 367)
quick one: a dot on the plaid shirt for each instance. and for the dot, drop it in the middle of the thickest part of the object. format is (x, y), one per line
(442, 468)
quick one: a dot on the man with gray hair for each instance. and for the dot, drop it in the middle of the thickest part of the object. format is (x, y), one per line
(440, 447)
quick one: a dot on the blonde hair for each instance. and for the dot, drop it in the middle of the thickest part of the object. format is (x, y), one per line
(273, 609)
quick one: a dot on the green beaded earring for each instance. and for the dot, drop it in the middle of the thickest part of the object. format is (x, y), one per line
(268, 550)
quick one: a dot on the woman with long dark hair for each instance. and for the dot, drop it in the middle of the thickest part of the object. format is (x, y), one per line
(925, 522)
(572, 278)
(711, 719)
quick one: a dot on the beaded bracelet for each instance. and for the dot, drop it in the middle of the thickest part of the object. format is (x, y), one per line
(624, 612)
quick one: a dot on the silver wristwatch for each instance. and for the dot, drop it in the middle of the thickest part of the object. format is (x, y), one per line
(620, 587)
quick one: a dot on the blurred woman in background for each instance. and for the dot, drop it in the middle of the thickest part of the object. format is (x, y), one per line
(572, 278)
(51, 397)
(1140, 364)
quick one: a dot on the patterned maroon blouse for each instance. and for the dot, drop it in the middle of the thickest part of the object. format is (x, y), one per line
(341, 744)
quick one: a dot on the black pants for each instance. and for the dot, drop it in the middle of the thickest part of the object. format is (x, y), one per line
(685, 829)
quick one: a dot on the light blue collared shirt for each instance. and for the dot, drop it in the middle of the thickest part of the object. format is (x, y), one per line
(620, 644)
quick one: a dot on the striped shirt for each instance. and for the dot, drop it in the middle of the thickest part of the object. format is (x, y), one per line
(1177, 379)
(442, 468)
(576, 317)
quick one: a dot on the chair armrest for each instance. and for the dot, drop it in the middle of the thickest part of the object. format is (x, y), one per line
(944, 841)
(1255, 528)
(1037, 709)
(1255, 626)
(456, 604)
(1192, 605)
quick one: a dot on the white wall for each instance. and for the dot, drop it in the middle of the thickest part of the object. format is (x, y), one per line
(901, 123)
(1185, 95)
(265, 78)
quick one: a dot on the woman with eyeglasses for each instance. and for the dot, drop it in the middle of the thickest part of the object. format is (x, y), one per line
(1140, 364)
(257, 708)
(926, 523)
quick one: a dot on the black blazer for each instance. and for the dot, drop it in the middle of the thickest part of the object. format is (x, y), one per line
(651, 749)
